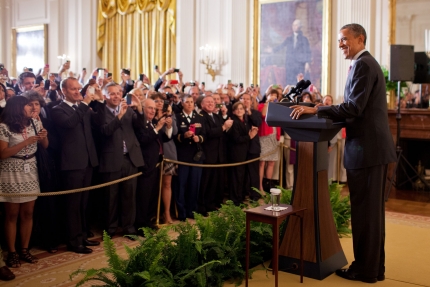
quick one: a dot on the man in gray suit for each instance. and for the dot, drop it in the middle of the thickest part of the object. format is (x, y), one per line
(120, 156)
(369, 148)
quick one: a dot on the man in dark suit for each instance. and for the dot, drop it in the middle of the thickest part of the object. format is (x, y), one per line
(369, 147)
(151, 137)
(120, 156)
(215, 150)
(253, 118)
(191, 135)
(74, 119)
(298, 54)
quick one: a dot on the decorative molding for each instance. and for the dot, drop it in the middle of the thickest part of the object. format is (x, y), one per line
(404, 19)
(30, 12)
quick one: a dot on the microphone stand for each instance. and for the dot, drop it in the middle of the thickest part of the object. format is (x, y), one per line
(400, 155)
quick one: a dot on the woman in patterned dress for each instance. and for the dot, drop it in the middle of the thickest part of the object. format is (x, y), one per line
(18, 174)
(269, 137)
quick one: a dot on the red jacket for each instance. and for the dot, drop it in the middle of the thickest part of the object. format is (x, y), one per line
(264, 129)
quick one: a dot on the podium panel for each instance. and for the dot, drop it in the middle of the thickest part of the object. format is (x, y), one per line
(322, 252)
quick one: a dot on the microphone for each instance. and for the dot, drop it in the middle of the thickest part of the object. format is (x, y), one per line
(295, 89)
(306, 85)
(302, 87)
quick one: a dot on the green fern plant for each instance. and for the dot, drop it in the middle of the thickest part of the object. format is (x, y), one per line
(341, 209)
(144, 266)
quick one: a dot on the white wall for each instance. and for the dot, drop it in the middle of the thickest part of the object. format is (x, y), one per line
(71, 29)
(229, 24)
(222, 23)
(413, 17)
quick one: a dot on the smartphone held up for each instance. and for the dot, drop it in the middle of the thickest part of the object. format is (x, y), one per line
(129, 99)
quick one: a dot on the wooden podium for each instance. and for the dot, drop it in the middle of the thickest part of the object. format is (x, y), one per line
(322, 252)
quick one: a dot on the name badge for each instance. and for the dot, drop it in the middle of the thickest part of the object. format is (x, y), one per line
(198, 125)
(26, 168)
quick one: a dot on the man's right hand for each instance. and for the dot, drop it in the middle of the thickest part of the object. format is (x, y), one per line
(122, 109)
(160, 123)
(188, 134)
(40, 89)
(227, 124)
(88, 98)
(52, 85)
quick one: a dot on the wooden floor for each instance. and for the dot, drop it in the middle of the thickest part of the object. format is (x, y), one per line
(406, 201)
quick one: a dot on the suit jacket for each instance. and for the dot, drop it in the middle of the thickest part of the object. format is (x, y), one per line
(300, 54)
(150, 144)
(238, 140)
(215, 147)
(255, 119)
(186, 147)
(368, 138)
(74, 128)
(114, 132)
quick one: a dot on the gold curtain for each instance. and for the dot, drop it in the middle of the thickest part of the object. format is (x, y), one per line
(136, 34)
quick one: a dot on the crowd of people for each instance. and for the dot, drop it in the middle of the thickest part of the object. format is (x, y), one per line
(96, 130)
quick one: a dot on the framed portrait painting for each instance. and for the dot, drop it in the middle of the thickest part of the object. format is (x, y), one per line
(29, 48)
(292, 42)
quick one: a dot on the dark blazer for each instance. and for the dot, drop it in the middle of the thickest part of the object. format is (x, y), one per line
(150, 144)
(186, 147)
(238, 140)
(114, 132)
(368, 138)
(215, 147)
(74, 130)
(255, 119)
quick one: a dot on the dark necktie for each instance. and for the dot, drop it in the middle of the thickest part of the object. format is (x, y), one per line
(160, 150)
(349, 69)
(212, 116)
(74, 107)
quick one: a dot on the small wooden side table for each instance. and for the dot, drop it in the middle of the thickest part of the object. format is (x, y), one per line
(274, 218)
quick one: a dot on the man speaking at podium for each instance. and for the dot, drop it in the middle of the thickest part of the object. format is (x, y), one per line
(369, 148)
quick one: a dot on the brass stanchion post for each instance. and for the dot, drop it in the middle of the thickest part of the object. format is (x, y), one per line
(339, 142)
(281, 164)
(160, 187)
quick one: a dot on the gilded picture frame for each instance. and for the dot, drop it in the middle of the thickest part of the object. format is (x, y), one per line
(29, 48)
(273, 25)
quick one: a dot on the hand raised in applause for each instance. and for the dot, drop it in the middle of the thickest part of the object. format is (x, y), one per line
(188, 134)
(160, 123)
(43, 133)
(253, 132)
(169, 122)
(122, 109)
(227, 124)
